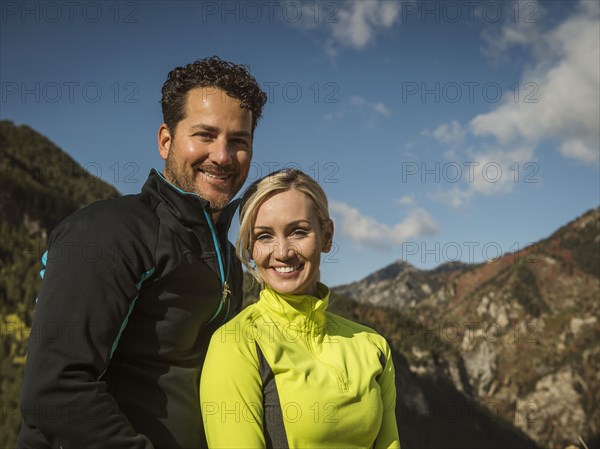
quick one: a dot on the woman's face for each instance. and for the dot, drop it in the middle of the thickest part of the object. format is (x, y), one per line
(287, 241)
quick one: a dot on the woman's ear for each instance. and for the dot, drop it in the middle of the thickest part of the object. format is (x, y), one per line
(327, 236)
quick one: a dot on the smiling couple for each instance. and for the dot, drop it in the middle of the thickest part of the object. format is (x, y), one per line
(173, 365)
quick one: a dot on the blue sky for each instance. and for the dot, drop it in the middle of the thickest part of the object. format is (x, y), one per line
(440, 130)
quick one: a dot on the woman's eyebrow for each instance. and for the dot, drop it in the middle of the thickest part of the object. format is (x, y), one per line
(291, 223)
(263, 227)
(297, 222)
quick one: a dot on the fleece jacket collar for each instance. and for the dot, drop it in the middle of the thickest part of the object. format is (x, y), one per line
(303, 313)
(186, 206)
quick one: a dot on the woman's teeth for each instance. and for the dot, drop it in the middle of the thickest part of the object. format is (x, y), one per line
(285, 269)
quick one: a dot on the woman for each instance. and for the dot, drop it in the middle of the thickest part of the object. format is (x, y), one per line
(285, 372)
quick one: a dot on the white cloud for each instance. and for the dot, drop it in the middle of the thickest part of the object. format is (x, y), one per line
(493, 171)
(578, 149)
(368, 231)
(377, 107)
(560, 99)
(382, 109)
(524, 31)
(454, 197)
(359, 21)
(451, 133)
(498, 170)
(558, 102)
(358, 106)
(346, 24)
(406, 200)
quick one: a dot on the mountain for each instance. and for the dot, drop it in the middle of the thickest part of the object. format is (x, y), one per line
(40, 185)
(400, 284)
(517, 335)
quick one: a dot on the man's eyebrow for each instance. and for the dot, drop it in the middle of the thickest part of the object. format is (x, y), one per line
(241, 133)
(216, 129)
(205, 127)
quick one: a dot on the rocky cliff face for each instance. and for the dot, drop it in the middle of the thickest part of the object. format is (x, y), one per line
(399, 285)
(517, 335)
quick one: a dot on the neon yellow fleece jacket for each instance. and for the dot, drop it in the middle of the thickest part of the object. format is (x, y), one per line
(285, 373)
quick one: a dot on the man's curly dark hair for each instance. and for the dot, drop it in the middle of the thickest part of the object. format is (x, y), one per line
(234, 79)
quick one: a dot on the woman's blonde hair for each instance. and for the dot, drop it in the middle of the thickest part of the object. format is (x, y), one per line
(265, 188)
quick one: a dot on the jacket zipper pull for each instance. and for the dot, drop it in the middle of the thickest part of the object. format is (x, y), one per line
(226, 292)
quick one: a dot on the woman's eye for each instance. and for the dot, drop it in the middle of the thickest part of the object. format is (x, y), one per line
(300, 232)
(260, 237)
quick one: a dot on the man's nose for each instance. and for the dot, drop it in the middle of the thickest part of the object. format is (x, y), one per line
(220, 152)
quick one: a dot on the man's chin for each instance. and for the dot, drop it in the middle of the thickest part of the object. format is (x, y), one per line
(220, 195)
(217, 204)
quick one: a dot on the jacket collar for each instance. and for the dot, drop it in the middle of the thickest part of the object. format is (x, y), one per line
(302, 313)
(185, 206)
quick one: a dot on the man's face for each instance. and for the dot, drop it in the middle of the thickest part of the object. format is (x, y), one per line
(210, 150)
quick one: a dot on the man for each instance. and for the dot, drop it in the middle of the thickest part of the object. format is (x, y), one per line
(134, 287)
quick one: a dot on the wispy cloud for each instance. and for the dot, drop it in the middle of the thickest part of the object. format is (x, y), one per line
(358, 106)
(451, 133)
(368, 231)
(525, 33)
(377, 107)
(490, 170)
(406, 200)
(359, 21)
(351, 24)
(562, 99)
(561, 105)
(455, 197)
(498, 169)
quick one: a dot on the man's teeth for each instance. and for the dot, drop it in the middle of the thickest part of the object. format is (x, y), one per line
(285, 269)
(210, 175)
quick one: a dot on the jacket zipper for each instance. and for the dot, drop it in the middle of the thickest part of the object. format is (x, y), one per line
(226, 291)
(341, 379)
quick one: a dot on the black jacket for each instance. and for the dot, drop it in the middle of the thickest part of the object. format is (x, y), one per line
(132, 292)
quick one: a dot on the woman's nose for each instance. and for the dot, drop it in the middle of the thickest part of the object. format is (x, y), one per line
(285, 250)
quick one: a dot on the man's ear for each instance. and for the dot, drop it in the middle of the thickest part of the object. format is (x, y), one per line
(164, 141)
(328, 236)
